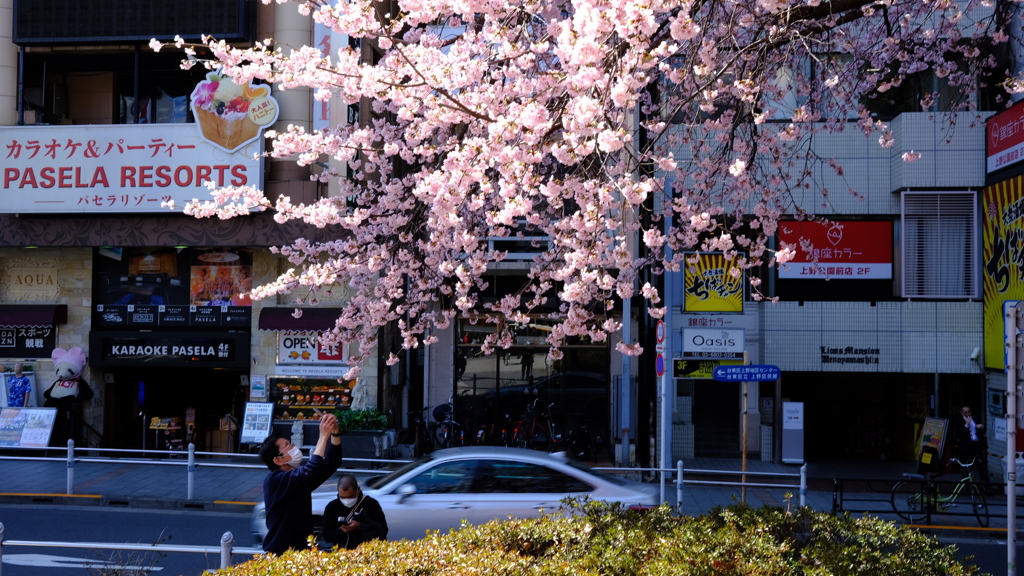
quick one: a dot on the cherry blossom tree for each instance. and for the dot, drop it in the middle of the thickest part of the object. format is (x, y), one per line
(626, 132)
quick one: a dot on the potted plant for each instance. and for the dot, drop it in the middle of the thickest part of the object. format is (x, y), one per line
(362, 433)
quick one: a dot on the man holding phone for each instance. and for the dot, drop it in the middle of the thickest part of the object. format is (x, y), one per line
(353, 518)
(287, 490)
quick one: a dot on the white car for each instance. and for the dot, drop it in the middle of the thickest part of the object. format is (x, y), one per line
(478, 484)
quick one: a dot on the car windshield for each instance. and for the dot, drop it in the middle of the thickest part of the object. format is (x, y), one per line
(378, 481)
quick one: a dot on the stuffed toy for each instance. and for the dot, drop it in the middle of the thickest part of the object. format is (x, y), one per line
(63, 394)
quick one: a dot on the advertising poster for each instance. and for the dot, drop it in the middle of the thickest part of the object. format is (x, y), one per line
(13, 391)
(256, 422)
(142, 287)
(843, 250)
(1002, 260)
(933, 439)
(712, 284)
(26, 427)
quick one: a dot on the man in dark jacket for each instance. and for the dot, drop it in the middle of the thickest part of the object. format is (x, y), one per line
(353, 518)
(287, 489)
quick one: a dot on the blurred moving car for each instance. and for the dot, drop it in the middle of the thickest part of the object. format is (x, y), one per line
(478, 484)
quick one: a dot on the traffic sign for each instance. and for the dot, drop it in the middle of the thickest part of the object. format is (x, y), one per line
(750, 373)
(660, 331)
(659, 364)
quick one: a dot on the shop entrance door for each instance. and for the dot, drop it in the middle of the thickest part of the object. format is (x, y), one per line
(151, 407)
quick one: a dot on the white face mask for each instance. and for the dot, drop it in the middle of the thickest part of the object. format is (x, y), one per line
(294, 457)
(348, 502)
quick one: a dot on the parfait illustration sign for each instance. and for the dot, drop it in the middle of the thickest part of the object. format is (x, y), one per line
(231, 115)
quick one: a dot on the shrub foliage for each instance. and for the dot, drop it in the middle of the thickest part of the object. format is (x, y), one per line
(594, 539)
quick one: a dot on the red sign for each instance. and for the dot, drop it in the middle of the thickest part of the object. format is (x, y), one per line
(1004, 142)
(846, 249)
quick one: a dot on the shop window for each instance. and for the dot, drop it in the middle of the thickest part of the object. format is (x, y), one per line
(939, 245)
(492, 389)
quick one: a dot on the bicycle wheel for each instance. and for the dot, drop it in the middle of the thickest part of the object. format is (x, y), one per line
(443, 435)
(979, 504)
(519, 439)
(907, 501)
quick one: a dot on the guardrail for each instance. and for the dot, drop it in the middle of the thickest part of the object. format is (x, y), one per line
(190, 462)
(680, 480)
(226, 549)
(875, 496)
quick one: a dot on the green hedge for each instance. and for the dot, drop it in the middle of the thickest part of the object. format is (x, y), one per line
(601, 540)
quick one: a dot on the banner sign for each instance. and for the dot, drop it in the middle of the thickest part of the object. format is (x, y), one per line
(100, 169)
(26, 427)
(713, 343)
(212, 350)
(1004, 142)
(842, 250)
(303, 348)
(699, 369)
(712, 284)
(1002, 259)
(27, 341)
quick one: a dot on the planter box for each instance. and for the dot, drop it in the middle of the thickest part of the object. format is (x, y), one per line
(363, 444)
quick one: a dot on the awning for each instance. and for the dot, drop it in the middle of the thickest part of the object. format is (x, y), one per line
(312, 320)
(23, 315)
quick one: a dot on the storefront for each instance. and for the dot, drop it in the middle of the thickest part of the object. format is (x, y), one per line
(171, 334)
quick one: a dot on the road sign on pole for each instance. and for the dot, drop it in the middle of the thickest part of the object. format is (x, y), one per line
(750, 373)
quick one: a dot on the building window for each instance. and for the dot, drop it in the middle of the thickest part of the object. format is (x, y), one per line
(940, 245)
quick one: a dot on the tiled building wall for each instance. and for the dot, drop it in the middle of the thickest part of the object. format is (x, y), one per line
(906, 337)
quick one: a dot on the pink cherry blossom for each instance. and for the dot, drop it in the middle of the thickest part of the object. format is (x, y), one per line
(559, 125)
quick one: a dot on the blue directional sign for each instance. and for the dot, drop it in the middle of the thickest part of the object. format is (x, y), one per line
(751, 373)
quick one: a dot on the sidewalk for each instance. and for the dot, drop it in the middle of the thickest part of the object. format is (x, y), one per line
(237, 483)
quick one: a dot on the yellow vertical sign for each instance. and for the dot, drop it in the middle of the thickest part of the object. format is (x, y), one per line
(1002, 260)
(712, 284)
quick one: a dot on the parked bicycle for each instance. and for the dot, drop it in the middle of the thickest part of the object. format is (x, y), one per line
(918, 496)
(497, 432)
(536, 429)
(448, 433)
(421, 443)
(587, 442)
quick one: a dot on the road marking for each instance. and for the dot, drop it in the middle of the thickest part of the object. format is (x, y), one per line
(52, 495)
(52, 561)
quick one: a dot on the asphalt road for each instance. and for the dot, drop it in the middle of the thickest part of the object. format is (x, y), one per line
(94, 524)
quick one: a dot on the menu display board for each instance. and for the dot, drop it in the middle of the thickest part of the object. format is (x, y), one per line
(26, 427)
(256, 422)
(933, 440)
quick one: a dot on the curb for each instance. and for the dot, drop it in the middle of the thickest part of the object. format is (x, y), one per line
(238, 507)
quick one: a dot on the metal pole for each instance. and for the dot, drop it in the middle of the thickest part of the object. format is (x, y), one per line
(1010, 314)
(803, 485)
(226, 541)
(1, 547)
(679, 486)
(71, 467)
(191, 470)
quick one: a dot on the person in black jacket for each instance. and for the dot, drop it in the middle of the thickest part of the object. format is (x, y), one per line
(287, 490)
(353, 518)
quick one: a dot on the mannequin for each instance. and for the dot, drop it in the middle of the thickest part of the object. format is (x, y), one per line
(18, 388)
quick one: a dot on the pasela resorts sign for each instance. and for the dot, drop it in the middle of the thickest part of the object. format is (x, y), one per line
(117, 168)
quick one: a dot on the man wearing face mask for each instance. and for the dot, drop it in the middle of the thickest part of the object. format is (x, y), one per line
(287, 489)
(353, 518)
